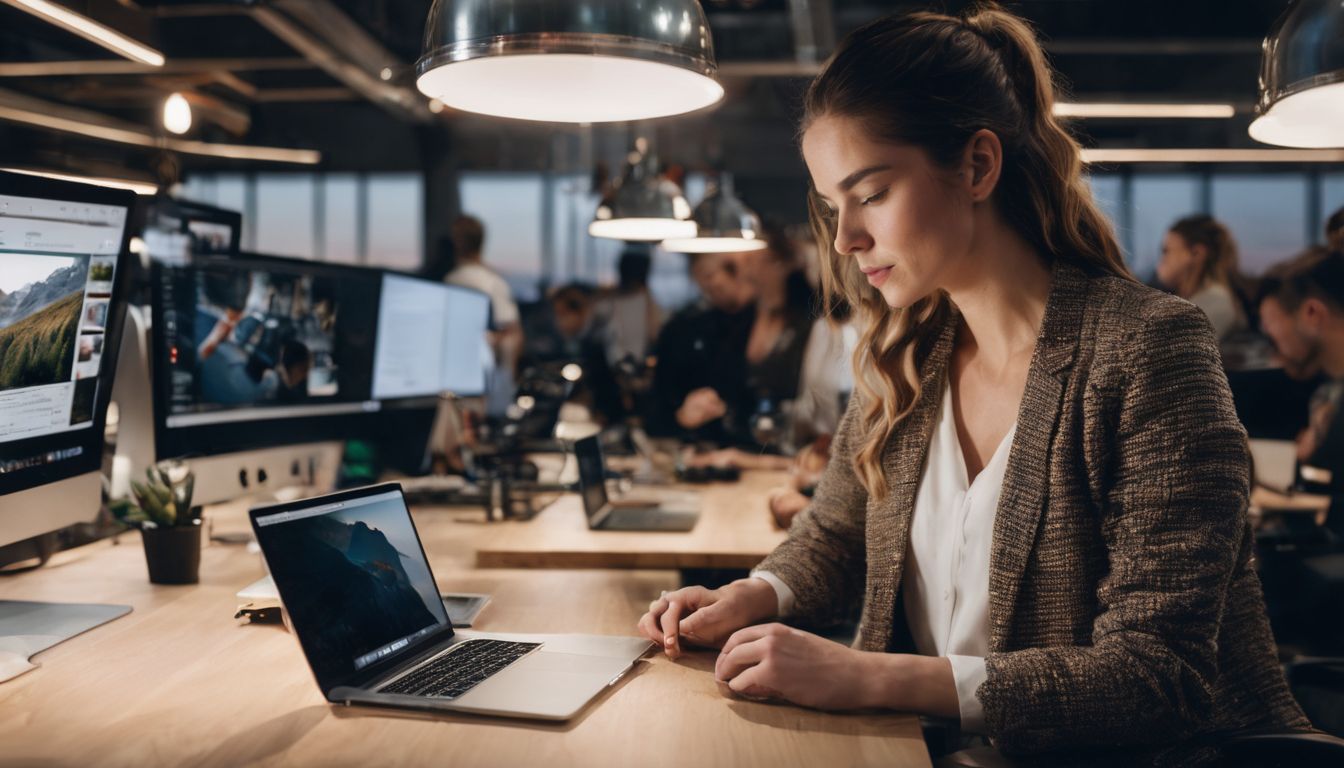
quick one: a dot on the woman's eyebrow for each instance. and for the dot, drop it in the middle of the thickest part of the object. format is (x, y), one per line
(854, 178)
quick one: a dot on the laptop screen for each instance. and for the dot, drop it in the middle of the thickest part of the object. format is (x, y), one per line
(352, 575)
(592, 476)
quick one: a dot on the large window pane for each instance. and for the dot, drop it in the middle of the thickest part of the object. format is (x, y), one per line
(1267, 214)
(284, 215)
(340, 220)
(509, 205)
(1159, 200)
(1332, 199)
(1108, 191)
(396, 220)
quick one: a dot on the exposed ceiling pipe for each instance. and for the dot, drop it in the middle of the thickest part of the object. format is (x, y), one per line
(813, 23)
(343, 49)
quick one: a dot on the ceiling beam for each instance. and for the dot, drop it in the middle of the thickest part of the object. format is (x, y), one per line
(813, 23)
(21, 108)
(171, 67)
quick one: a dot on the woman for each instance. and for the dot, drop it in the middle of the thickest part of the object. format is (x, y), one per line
(1038, 490)
(1199, 264)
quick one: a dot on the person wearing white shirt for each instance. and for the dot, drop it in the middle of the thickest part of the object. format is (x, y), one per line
(1038, 492)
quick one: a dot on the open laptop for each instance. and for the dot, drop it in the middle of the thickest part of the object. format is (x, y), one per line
(673, 513)
(353, 576)
(1275, 463)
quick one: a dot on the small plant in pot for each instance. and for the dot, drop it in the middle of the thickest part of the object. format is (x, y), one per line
(169, 525)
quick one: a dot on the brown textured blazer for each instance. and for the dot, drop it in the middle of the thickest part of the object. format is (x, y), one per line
(1123, 606)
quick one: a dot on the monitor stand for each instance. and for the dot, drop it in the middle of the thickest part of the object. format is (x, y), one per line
(27, 628)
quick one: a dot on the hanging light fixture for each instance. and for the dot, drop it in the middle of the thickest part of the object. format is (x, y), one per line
(724, 224)
(177, 114)
(1301, 100)
(569, 61)
(644, 207)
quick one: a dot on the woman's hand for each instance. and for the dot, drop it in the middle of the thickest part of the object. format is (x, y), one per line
(778, 662)
(785, 504)
(707, 616)
(700, 407)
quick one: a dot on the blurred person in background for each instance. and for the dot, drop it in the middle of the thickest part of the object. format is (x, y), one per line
(1199, 264)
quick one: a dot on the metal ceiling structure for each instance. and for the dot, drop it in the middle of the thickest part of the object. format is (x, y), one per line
(333, 79)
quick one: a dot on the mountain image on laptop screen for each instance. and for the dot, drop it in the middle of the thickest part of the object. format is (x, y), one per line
(40, 302)
(359, 588)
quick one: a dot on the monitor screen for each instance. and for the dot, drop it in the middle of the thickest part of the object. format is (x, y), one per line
(254, 351)
(431, 339)
(592, 474)
(178, 230)
(61, 293)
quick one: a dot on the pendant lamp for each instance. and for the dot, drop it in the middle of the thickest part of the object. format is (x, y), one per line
(569, 61)
(724, 224)
(644, 207)
(1301, 100)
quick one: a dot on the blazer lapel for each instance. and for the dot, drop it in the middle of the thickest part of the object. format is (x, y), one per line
(1027, 475)
(902, 463)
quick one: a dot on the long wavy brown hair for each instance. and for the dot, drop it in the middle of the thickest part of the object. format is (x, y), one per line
(932, 81)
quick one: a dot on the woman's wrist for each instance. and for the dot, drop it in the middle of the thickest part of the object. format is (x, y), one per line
(759, 599)
(909, 683)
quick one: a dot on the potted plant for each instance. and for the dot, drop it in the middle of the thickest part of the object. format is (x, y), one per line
(169, 525)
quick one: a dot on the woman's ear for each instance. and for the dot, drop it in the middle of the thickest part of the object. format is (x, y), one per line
(983, 163)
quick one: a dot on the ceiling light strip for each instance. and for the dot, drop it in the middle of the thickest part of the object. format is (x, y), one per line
(90, 30)
(142, 139)
(1213, 155)
(138, 187)
(1139, 110)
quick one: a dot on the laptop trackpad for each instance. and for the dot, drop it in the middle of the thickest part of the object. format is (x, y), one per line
(545, 684)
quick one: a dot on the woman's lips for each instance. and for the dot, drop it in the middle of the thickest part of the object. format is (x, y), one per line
(877, 275)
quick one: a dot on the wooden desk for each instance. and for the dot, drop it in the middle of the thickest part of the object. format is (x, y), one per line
(179, 682)
(735, 531)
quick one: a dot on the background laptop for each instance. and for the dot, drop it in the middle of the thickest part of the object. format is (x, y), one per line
(678, 513)
(354, 578)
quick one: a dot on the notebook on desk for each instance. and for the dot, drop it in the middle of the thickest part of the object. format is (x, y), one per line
(355, 582)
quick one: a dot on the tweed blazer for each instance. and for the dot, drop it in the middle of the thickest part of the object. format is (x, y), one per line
(1124, 610)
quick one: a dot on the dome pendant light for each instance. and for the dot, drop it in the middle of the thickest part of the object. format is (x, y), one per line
(1301, 100)
(724, 223)
(644, 207)
(569, 61)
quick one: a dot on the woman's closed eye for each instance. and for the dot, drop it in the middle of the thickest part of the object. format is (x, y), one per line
(876, 197)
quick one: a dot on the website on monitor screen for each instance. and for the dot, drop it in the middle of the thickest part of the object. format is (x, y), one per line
(57, 264)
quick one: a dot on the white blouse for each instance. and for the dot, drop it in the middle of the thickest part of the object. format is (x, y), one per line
(946, 576)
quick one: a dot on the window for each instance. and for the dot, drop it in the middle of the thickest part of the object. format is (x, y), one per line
(395, 221)
(1332, 199)
(1108, 191)
(1267, 214)
(375, 219)
(284, 217)
(510, 207)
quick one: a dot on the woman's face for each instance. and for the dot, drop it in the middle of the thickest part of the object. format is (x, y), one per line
(1179, 263)
(905, 221)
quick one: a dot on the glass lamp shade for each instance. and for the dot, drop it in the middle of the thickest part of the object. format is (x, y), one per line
(1301, 100)
(569, 61)
(723, 225)
(644, 207)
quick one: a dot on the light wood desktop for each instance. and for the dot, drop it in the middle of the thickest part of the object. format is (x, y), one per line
(735, 531)
(180, 682)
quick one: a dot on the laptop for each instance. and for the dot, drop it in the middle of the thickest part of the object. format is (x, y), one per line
(672, 513)
(1275, 464)
(353, 576)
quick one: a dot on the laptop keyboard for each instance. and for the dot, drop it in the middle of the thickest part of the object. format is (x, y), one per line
(459, 670)
(630, 519)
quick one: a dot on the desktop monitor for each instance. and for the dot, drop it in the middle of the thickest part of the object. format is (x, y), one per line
(177, 231)
(63, 257)
(431, 339)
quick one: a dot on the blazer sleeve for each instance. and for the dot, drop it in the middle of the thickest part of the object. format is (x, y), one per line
(1172, 521)
(823, 561)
